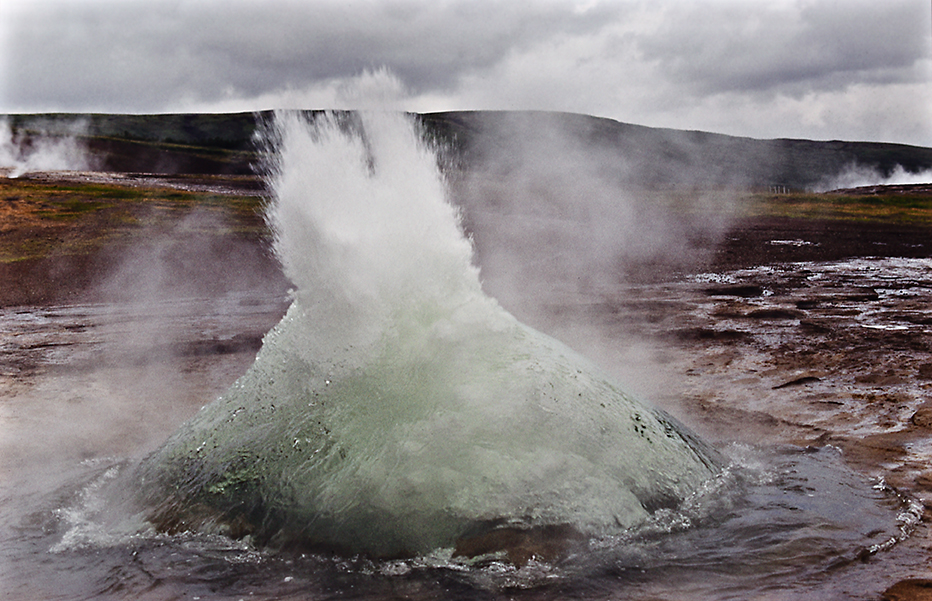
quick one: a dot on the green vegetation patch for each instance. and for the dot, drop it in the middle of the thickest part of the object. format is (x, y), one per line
(69, 208)
(39, 219)
(905, 209)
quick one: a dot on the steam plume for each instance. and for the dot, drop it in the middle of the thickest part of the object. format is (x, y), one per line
(36, 148)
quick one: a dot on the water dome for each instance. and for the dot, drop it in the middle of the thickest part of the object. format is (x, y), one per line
(397, 409)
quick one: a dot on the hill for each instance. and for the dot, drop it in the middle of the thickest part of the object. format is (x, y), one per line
(636, 155)
(674, 158)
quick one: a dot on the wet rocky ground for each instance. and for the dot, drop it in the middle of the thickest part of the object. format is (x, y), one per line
(805, 334)
(791, 332)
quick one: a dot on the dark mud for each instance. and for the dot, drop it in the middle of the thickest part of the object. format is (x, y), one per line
(772, 240)
(793, 332)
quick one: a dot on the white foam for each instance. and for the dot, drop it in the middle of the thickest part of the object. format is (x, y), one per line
(396, 406)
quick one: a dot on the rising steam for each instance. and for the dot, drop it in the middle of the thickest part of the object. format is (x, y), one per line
(859, 176)
(38, 148)
(397, 408)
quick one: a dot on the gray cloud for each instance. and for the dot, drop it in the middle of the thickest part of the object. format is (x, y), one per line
(100, 52)
(801, 68)
(741, 46)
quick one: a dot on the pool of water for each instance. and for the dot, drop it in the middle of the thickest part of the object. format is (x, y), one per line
(780, 522)
(89, 389)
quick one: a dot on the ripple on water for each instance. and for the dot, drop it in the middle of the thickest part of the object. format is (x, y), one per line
(773, 521)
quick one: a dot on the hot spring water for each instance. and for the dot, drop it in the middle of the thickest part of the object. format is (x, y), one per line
(396, 408)
(400, 434)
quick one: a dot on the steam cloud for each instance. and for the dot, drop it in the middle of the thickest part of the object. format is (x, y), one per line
(561, 222)
(856, 177)
(548, 207)
(38, 148)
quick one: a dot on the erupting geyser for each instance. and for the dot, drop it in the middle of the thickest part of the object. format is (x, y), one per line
(396, 408)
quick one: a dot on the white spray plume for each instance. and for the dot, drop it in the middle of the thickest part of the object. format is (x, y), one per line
(378, 89)
(397, 408)
(360, 227)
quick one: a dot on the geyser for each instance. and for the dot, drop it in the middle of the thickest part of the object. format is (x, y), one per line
(396, 408)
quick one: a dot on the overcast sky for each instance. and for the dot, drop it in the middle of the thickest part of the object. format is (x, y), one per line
(846, 69)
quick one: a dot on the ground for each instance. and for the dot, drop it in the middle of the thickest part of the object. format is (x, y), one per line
(776, 334)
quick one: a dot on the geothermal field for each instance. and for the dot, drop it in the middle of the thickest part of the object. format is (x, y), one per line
(460, 355)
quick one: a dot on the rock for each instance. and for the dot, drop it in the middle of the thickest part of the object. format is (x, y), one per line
(742, 291)
(519, 546)
(912, 589)
(775, 313)
(808, 303)
(798, 382)
(888, 378)
(700, 333)
(924, 480)
(815, 326)
(922, 418)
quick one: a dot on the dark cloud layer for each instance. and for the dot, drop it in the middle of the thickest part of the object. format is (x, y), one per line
(152, 53)
(762, 46)
(792, 67)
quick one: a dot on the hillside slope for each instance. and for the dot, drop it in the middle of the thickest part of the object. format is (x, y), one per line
(636, 154)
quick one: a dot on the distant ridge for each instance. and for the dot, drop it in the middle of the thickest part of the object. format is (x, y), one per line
(644, 156)
(670, 157)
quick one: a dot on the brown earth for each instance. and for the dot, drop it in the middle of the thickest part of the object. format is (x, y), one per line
(71, 237)
(791, 343)
(747, 244)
